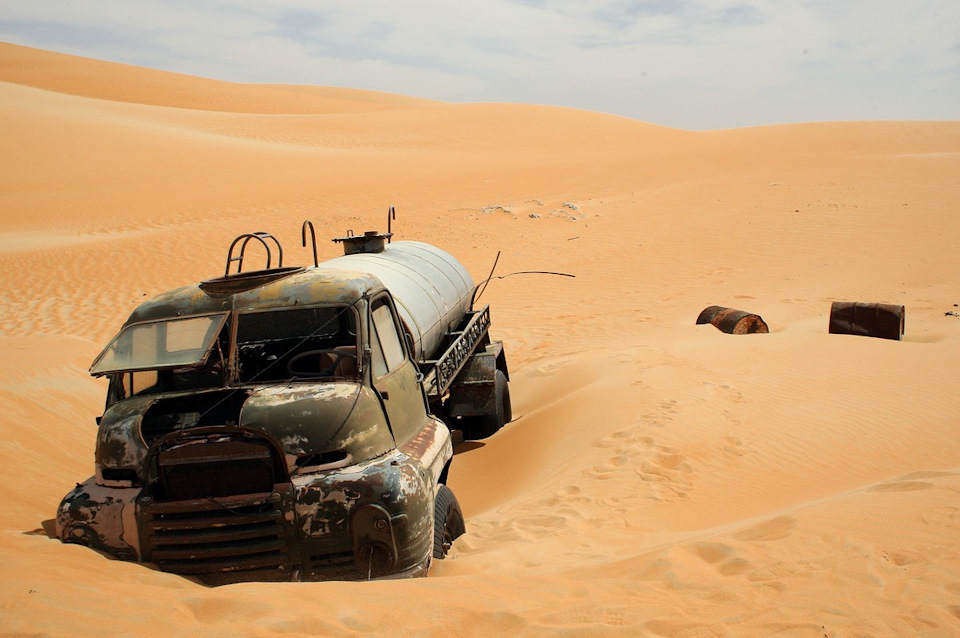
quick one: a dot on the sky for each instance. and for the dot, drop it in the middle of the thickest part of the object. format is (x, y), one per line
(692, 64)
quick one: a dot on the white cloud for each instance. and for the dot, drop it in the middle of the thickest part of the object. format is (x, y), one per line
(693, 63)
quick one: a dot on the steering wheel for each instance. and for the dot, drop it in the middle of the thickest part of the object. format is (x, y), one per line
(323, 372)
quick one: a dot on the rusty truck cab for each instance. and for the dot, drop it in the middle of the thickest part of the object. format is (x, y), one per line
(269, 428)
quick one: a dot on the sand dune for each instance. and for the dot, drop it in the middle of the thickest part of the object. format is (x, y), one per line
(661, 478)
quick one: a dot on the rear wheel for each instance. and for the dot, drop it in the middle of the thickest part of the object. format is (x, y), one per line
(505, 398)
(447, 521)
(480, 427)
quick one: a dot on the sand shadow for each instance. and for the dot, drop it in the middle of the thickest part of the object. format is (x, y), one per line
(467, 446)
(47, 528)
(461, 445)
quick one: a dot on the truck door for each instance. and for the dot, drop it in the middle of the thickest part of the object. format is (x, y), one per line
(394, 373)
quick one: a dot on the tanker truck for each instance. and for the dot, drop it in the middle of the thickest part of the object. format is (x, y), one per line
(292, 423)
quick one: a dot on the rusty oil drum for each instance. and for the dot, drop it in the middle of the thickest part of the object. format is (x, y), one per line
(733, 321)
(885, 321)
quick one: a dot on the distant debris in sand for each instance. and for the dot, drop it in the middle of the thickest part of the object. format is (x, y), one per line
(486, 210)
(567, 210)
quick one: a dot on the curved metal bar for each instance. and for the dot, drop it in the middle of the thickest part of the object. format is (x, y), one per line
(260, 236)
(313, 237)
(279, 248)
(391, 215)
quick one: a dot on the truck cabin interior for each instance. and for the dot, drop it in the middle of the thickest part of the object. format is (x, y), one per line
(299, 343)
(271, 346)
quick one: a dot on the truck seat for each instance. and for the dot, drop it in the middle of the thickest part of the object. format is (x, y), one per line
(343, 366)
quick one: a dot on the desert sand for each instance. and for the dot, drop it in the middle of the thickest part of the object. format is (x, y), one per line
(660, 478)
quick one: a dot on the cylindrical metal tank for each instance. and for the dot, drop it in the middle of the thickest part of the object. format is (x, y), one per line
(867, 319)
(432, 290)
(733, 321)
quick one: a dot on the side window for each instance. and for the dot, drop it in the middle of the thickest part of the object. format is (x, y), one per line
(124, 385)
(137, 382)
(390, 354)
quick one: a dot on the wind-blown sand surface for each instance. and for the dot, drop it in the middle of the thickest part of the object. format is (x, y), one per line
(661, 478)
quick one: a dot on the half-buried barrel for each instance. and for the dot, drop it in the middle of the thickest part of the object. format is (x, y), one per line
(733, 321)
(867, 319)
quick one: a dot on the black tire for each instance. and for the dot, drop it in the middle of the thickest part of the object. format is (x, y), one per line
(505, 398)
(447, 522)
(481, 427)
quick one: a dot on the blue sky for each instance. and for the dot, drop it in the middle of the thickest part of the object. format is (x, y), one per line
(695, 64)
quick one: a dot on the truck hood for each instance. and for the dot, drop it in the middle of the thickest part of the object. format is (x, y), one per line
(313, 422)
(312, 419)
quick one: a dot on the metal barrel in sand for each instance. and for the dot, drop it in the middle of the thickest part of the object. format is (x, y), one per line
(885, 321)
(733, 321)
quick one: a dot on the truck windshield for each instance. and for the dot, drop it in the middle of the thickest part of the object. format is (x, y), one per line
(300, 343)
(175, 343)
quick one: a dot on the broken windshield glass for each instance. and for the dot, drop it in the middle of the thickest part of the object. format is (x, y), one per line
(155, 345)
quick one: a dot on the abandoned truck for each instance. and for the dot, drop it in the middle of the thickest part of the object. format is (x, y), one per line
(293, 423)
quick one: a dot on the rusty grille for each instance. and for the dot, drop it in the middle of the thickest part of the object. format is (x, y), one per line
(211, 535)
(216, 467)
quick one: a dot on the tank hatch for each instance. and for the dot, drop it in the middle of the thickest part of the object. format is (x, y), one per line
(369, 242)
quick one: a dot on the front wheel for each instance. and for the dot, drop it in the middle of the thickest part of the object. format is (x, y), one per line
(447, 522)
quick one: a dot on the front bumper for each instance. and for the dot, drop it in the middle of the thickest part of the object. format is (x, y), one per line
(370, 521)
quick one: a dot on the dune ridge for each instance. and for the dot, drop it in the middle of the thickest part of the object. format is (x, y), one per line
(660, 479)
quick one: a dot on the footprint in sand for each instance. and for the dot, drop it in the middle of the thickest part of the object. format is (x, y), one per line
(632, 437)
(942, 516)
(215, 609)
(712, 552)
(663, 468)
(538, 526)
(733, 446)
(668, 473)
(669, 407)
(901, 558)
(772, 530)
(901, 486)
(548, 369)
(734, 567)
(774, 573)
(725, 390)
(663, 414)
(682, 629)
(723, 557)
(569, 495)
